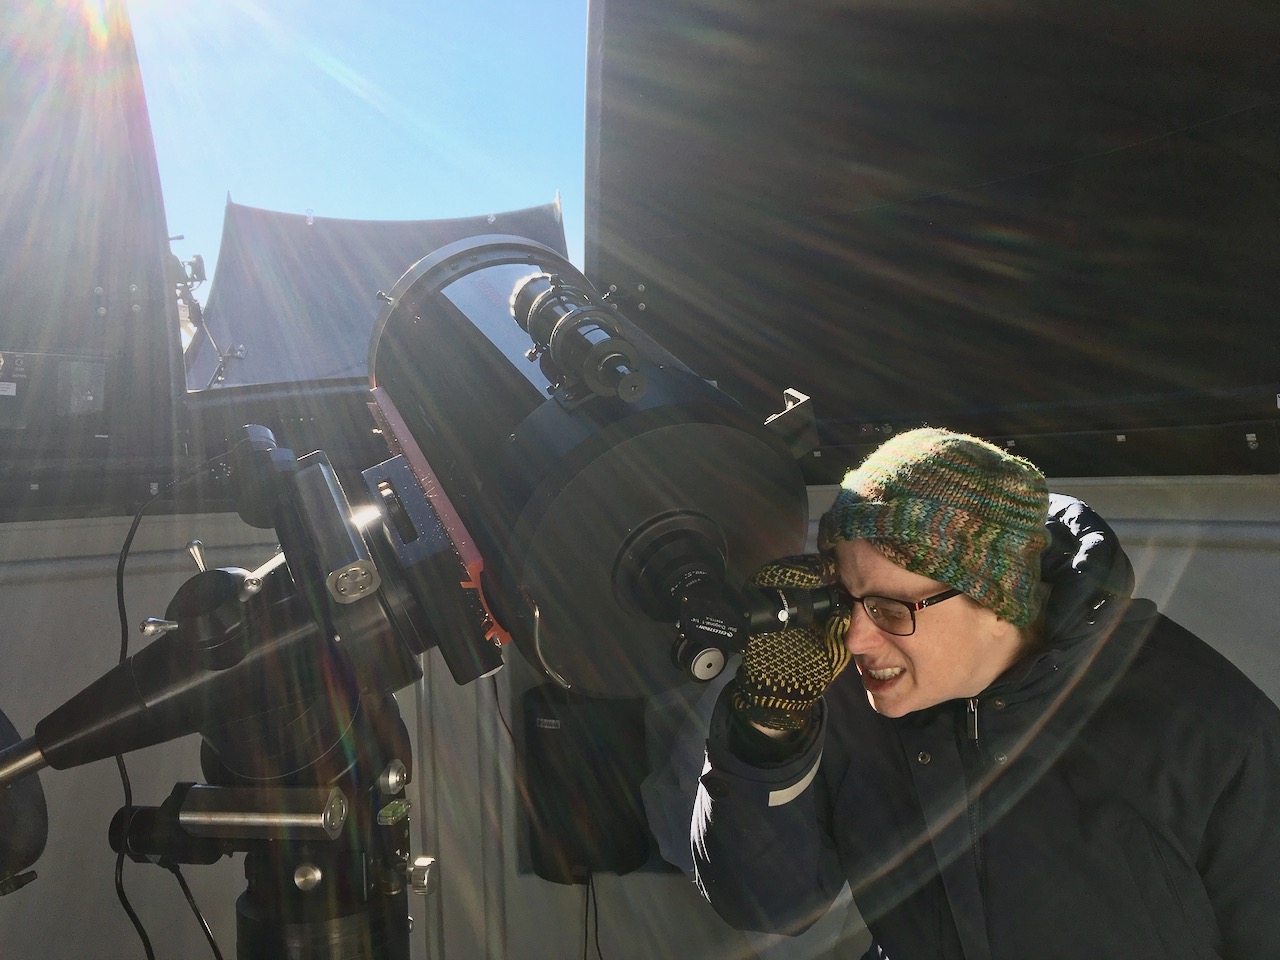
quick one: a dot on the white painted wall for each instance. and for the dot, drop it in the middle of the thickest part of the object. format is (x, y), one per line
(59, 631)
(1206, 549)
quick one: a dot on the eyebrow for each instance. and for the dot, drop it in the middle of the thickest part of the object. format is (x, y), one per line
(903, 597)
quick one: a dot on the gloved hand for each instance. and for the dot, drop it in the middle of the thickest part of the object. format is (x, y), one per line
(785, 672)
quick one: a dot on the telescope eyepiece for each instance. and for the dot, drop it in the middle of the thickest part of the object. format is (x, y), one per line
(777, 608)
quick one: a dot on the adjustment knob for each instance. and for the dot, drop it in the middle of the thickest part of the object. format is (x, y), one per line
(702, 661)
(422, 876)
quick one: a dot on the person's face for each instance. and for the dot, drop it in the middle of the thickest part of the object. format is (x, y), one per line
(959, 646)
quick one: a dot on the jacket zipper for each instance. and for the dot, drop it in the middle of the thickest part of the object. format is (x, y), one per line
(975, 796)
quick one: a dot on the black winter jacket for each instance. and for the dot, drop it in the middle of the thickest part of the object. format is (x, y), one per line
(1115, 796)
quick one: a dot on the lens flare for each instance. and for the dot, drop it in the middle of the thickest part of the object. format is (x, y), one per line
(95, 18)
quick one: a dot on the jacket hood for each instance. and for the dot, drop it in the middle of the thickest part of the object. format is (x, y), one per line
(1090, 582)
(1088, 573)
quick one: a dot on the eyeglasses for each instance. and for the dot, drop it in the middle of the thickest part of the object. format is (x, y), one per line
(896, 616)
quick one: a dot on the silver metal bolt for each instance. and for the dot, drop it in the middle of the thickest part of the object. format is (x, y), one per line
(307, 876)
(154, 626)
(393, 779)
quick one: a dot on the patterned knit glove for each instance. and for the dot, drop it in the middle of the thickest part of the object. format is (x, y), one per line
(785, 672)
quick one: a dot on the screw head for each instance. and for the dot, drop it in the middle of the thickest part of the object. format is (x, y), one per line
(353, 581)
(335, 813)
(307, 876)
(393, 779)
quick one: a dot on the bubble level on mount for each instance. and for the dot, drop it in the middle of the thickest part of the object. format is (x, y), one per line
(394, 812)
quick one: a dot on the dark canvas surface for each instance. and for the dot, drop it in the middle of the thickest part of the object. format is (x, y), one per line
(1019, 219)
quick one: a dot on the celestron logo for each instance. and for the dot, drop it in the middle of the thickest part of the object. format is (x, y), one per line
(718, 627)
(546, 723)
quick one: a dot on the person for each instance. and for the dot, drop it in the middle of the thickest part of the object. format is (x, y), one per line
(1025, 762)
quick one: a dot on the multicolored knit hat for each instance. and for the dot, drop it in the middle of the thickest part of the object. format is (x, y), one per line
(953, 508)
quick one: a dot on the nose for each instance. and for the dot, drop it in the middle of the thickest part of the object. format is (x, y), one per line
(862, 636)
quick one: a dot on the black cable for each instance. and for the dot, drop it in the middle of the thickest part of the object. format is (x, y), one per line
(204, 924)
(120, 894)
(120, 764)
(497, 699)
(595, 909)
(590, 907)
(133, 530)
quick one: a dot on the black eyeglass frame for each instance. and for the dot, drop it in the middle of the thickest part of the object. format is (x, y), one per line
(913, 607)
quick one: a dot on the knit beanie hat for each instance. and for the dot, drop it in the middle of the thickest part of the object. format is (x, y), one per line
(953, 508)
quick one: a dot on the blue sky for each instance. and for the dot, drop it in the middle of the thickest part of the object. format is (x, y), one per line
(398, 110)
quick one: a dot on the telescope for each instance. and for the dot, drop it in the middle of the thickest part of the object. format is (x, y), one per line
(555, 482)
